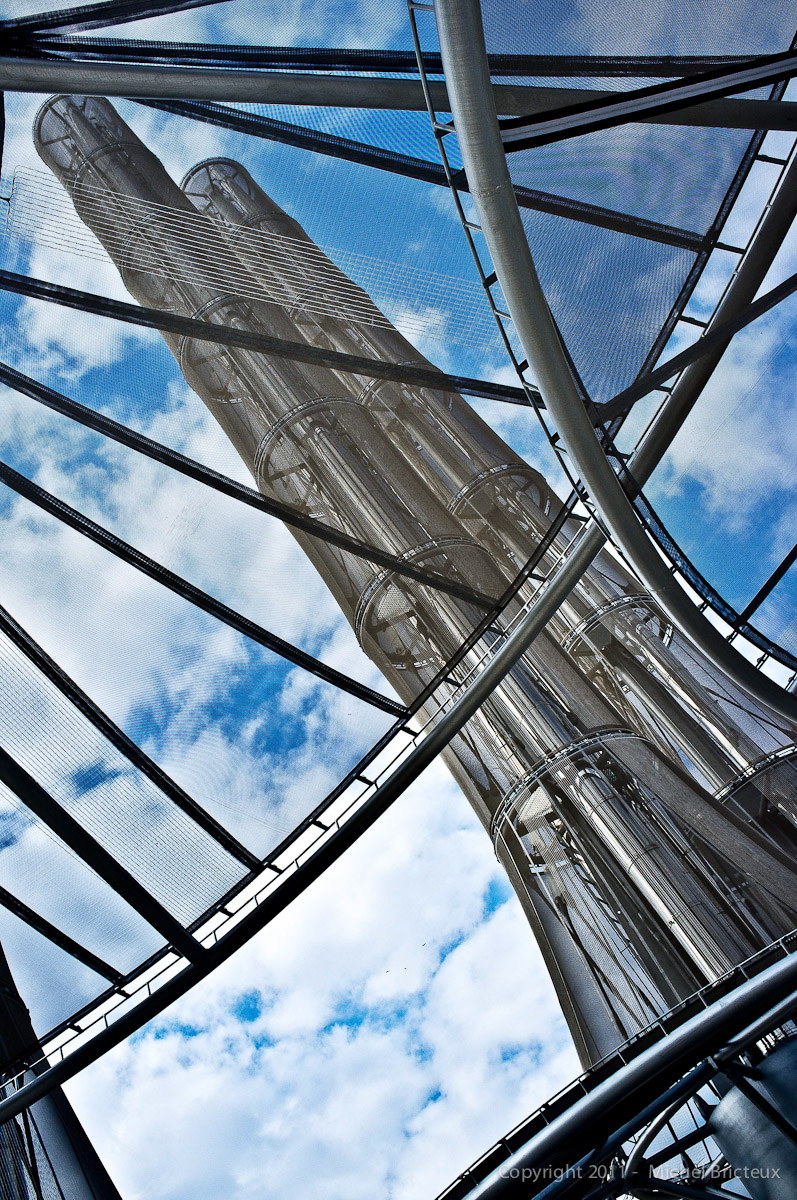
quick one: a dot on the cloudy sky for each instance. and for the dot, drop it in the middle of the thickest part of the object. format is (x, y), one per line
(400, 1005)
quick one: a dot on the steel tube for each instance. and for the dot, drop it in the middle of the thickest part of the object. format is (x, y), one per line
(159, 81)
(616, 1100)
(476, 123)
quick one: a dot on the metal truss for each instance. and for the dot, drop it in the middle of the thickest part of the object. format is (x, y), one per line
(715, 338)
(715, 334)
(405, 750)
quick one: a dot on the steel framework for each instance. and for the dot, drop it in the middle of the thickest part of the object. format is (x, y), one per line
(589, 712)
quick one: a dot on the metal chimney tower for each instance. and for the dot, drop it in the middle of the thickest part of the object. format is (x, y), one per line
(625, 787)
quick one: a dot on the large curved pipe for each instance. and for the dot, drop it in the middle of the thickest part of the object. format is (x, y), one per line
(476, 123)
(728, 1025)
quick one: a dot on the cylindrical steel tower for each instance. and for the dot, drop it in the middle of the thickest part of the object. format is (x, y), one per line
(631, 794)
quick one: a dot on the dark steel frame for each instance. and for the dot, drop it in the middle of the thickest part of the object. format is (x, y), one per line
(335, 838)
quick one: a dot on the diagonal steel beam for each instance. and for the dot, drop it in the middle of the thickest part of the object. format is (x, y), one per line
(109, 428)
(194, 595)
(73, 835)
(716, 337)
(152, 318)
(770, 584)
(521, 133)
(58, 937)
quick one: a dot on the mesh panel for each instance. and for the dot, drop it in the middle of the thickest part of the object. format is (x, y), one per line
(624, 27)
(609, 293)
(161, 846)
(640, 169)
(49, 878)
(25, 1169)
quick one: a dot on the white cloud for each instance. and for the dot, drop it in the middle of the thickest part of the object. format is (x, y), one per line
(739, 444)
(373, 1063)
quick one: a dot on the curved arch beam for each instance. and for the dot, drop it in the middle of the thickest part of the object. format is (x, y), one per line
(476, 123)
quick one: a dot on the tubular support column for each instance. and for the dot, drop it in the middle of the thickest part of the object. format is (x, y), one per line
(476, 123)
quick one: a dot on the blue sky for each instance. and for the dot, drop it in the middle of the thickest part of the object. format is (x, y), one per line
(401, 1004)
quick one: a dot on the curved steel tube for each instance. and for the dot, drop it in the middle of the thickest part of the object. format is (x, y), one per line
(476, 123)
(623, 1096)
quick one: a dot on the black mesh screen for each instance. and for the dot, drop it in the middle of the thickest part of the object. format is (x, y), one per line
(623, 27)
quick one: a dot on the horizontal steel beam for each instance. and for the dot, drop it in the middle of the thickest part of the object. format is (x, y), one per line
(118, 738)
(520, 133)
(238, 85)
(99, 423)
(58, 937)
(383, 159)
(87, 848)
(313, 866)
(152, 318)
(194, 595)
(396, 62)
